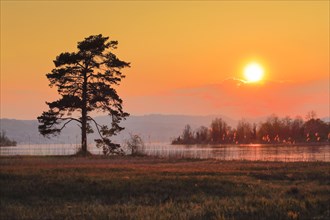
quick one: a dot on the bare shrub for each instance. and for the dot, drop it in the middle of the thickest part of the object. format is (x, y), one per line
(135, 144)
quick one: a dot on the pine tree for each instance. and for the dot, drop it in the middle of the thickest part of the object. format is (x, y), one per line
(85, 81)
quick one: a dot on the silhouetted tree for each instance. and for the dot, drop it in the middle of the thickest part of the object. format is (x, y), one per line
(316, 130)
(134, 143)
(269, 131)
(310, 115)
(274, 130)
(5, 141)
(187, 135)
(254, 132)
(85, 80)
(297, 130)
(244, 132)
(219, 131)
(285, 129)
(201, 135)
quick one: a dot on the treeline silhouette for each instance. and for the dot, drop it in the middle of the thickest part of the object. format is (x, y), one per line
(274, 130)
(5, 141)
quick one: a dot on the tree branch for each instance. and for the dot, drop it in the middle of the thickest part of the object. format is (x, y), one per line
(77, 63)
(71, 119)
(65, 124)
(97, 126)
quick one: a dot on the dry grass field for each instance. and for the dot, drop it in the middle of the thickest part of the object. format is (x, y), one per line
(152, 188)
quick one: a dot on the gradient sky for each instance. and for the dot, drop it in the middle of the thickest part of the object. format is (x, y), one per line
(184, 54)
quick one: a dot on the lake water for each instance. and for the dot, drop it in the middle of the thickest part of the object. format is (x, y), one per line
(242, 152)
(45, 150)
(221, 152)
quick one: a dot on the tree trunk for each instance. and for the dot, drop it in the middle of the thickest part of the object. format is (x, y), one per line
(84, 133)
(84, 117)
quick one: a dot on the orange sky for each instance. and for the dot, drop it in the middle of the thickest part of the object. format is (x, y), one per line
(174, 46)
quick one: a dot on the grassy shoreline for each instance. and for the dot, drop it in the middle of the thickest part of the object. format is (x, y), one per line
(100, 187)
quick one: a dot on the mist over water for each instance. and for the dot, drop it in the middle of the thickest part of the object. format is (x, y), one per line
(253, 152)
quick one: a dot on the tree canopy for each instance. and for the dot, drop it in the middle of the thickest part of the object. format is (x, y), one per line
(85, 81)
(274, 130)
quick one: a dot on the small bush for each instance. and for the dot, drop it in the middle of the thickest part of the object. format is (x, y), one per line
(5, 141)
(134, 144)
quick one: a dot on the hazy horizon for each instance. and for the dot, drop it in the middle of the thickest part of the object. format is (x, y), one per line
(195, 115)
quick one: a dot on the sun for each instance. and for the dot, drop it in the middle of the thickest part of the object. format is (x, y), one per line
(253, 72)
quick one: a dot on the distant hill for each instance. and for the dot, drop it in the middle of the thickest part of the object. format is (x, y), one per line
(326, 119)
(152, 128)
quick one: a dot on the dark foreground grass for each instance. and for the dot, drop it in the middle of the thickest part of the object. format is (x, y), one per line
(150, 188)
